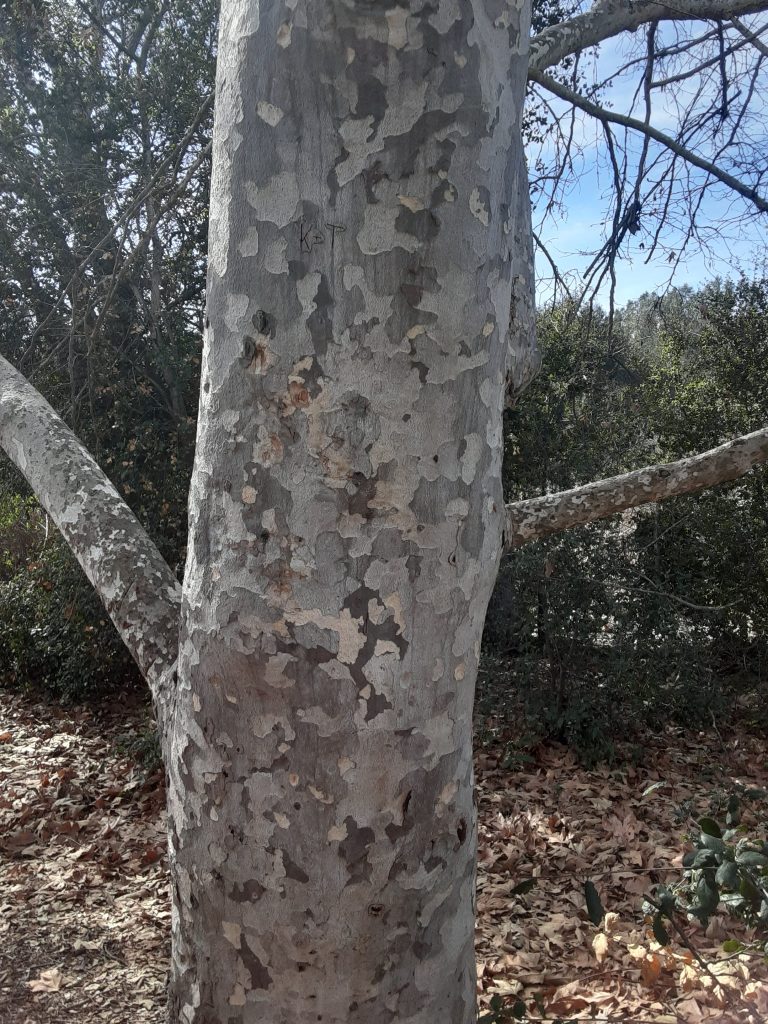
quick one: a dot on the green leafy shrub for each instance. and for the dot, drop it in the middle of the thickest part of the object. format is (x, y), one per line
(659, 614)
(726, 867)
(54, 632)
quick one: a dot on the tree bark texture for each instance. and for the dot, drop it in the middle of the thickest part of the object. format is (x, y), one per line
(535, 518)
(139, 590)
(368, 217)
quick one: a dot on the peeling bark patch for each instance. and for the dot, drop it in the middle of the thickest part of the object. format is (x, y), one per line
(293, 871)
(479, 205)
(260, 976)
(247, 892)
(354, 851)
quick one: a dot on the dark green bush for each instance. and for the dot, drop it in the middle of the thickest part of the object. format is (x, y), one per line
(54, 632)
(658, 614)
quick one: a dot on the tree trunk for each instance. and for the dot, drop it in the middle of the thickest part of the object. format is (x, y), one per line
(367, 220)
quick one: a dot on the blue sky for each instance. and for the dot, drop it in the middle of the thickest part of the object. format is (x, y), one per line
(734, 232)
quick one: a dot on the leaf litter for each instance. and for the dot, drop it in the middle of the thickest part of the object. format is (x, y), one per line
(565, 857)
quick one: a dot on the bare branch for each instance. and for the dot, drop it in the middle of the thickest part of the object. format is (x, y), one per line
(535, 518)
(610, 116)
(136, 585)
(612, 17)
(752, 37)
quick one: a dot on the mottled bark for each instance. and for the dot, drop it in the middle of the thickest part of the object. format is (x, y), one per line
(608, 18)
(346, 509)
(129, 574)
(554, 513)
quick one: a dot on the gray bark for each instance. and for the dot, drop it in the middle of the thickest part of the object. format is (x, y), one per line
(139, 591)
(535, 518)
(346, 509)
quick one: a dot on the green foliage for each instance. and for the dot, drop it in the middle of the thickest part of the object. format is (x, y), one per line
(656, 615)
(54, 632)
(104, 131)
(501, 1012)
(727, 867)
(143, 747)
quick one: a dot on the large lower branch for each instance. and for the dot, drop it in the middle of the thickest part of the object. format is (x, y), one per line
(131, 577)
(535, 518)
(611, 17)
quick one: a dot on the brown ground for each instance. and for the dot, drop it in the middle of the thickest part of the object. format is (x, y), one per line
(84, 916)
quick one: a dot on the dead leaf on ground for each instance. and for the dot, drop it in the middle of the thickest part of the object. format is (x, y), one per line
(48, 981)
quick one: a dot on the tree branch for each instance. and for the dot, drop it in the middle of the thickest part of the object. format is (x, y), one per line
(610, 116)
(611, 17)
(136, 585)
(535, 518)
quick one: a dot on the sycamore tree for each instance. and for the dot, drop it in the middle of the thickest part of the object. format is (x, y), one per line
(369, 312)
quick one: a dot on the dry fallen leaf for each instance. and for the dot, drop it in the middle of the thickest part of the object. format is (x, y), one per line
(49, 981)
(650, 969)
(600, 946)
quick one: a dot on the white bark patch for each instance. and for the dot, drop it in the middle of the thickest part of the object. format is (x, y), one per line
(351, 639)
(477, 207)
(284, 35)
(248, 495)
(269, 113)
(397, 20)
(337, 833)
(379, 233)
(275, 261)
(236, 311)
(471, 457)
(232, 932)
(412, 203)
(457, 508)
(238, 996)
(249, 246)
(356, 135)
(393, 601)
(448, 793)
(276, 201)
(385, 647)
